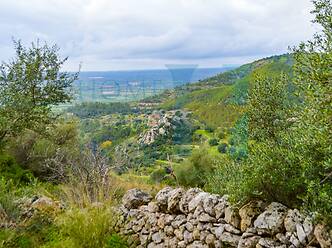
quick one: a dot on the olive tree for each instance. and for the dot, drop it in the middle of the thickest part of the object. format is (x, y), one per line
(30, 85)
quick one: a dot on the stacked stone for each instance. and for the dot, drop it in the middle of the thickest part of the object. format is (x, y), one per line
(193, 218)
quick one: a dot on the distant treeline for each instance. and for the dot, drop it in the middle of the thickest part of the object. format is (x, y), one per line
(94, 109)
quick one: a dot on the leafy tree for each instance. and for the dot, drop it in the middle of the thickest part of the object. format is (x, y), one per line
(290, 153)
(30, 85)
(268, 106)
(312, 133)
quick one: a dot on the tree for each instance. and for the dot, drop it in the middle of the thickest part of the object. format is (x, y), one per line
(312, 134)
(268, 106)
(30, 85)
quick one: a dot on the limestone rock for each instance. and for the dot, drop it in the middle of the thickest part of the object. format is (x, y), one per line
(248, 212)
(162, 197)
(179, 234)
(186, 198)
(174, 198)
(272, 219)
(187, 237)
(323, 236)
(219, 209)
(204, 217)
(197, 201)
(292, 218)
(308, 228)
(248, 241)
(196, 234)
(209, 203)
(44, 203)
(153, 207)
(197, 244)
(294, 240)
(269, 243)
(210, 239)
(156, 237)
(230, 239)
(232, 217)
(169, 230)
(135, 198)
(301, 235)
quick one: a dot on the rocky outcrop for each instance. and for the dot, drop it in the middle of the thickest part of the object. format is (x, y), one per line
(193, 218)
(161, 124)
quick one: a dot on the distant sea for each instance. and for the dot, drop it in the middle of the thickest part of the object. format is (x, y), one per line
(108, 86)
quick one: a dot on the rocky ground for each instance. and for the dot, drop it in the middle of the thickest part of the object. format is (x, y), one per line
(193, 218)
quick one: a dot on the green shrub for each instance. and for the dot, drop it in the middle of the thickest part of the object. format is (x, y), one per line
(90, 228)
(213, 142)
(195, 170)
(222, 148)
(158, 175)
(10, 170)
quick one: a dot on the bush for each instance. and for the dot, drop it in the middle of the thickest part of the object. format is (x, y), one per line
(32, 150)
(158, 175)
(90, 228)
(222, 135)
(194, 171)
(10, 170)
(213, 142)
(222, 148)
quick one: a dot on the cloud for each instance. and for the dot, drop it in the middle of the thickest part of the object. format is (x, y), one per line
(129, 34)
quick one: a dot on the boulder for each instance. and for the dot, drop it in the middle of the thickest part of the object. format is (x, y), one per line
(219, 209)
(162, 197)
(248, 212)
(135, 198)
(271, 221)
(232, 216)
(209, 204)
(197, 201)
(186, 198)
(173, 200)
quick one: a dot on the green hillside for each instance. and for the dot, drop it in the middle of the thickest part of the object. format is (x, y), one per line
(219, 101)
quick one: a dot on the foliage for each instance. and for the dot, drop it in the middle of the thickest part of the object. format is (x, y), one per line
(85, 179)
(10, 170)
(76, 225)
(268, 107)
(312, 131)
(30, 85)
(32, 150)
(97, 109)
(106, 144)
(195, 170)
(222, 148)
(213, 142)
(290, 135)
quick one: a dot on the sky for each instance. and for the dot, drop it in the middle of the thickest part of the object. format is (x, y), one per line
(147, 34)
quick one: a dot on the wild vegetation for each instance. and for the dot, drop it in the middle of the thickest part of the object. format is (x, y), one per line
(261, 131)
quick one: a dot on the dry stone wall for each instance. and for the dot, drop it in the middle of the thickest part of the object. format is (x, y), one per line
(193, 218)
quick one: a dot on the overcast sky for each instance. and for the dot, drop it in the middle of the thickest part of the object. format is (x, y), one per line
(141, 34)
